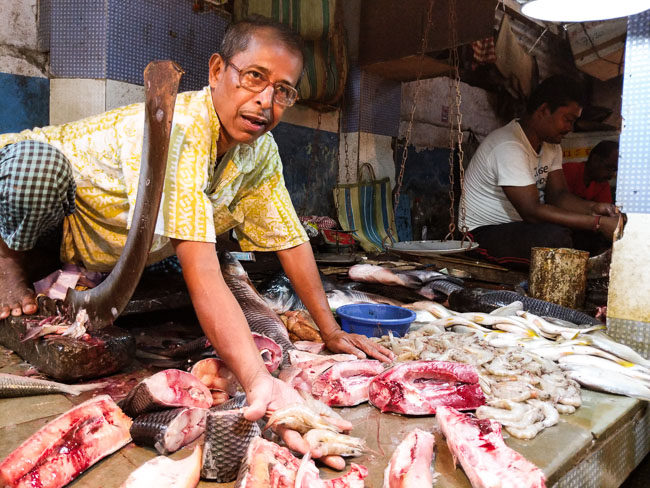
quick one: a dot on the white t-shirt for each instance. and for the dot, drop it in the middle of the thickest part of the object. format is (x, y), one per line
(505, 158)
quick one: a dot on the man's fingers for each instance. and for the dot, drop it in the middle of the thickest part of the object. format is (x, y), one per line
(334, 462)
(294, 441)
(256, 410)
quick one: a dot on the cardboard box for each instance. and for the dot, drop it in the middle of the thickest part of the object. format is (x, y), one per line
(599, 47)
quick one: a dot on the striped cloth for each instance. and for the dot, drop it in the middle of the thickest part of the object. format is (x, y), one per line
(366, 211)
(37, 191)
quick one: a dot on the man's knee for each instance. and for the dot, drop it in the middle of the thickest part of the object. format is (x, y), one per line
(552, 235)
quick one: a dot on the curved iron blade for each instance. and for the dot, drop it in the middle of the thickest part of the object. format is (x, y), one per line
(105, 302)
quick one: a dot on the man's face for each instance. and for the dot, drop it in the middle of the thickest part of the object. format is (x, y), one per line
(245, 115)
(605, 168)
(559, 123)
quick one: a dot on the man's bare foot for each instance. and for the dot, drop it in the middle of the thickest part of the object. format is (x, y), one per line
(16, 296)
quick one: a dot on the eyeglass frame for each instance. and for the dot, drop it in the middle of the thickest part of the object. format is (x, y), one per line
(242, 72)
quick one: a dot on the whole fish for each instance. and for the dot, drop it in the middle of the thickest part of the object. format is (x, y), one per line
(487, 461)
(19, 386)
(95, 428)
(602, 341)
(609, 382)
(338, 298)
(605, 365)
(345, 384)
(166, 389)
(267, 464)
(163, 472)
(260, 317)
(169, 430)
(370, 273)
(227, 436)
(410, 466)
(280, 295)
(420, 387)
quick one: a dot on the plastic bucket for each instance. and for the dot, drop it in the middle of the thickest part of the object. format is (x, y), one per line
(375, 320)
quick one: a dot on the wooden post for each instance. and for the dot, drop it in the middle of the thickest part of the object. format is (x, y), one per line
(559, 275)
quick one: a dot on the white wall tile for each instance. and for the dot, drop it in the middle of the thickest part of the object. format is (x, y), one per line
(74, 99)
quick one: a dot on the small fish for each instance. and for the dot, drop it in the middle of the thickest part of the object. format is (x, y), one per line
(609, 382)
(20, 386)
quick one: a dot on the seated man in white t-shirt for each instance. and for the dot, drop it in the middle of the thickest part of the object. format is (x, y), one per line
(515, 194)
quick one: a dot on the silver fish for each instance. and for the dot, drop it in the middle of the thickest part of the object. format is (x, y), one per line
(338, 298)
(610, 382)
(21, 386)
(602, 341)
(260, 317)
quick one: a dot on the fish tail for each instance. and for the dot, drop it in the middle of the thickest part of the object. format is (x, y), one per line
(77, 389)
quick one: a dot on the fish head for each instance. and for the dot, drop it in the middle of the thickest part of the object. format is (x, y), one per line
(230, 265)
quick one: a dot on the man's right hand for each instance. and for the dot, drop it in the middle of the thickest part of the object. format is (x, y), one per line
(267, 394)
(608, 226)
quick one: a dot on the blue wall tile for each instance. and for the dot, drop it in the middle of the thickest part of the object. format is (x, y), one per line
(309, 158)
(25, 102)
(380, 105)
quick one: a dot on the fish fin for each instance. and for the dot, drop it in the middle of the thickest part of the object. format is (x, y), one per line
(77, 389)
(625, 364)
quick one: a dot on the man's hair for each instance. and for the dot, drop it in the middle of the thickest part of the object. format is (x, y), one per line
(603, 149)
(239, 34)
(557, 91)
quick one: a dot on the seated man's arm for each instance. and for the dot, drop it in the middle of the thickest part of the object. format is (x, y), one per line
(525, 199)
(558, 194)
(299, 265)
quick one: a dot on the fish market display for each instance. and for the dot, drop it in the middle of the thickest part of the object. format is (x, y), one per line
(166, 389)
(487, 461)
(65, 358)
(303, 417)
(169, 430)
(67, 446)
(267, 464)
(420, 387)
(227, 436)
(163, 472)
(370, 273)
(280, 295)
(260, 317)
(12, 385)
(345, 384)
(306, 367)
(410, 465)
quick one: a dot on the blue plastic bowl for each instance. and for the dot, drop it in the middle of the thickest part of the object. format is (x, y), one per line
(375, 320)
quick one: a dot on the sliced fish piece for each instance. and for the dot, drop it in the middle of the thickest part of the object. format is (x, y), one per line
(12, 385)
(214, 374)
(169, 430)
(67, 446)
(260, 317)
(270, 351)
(487, 461)
(227, 436)
(310, 346)
(419, 387)
(163, 472)
(166, 389)
(410, 466)
(345, 384)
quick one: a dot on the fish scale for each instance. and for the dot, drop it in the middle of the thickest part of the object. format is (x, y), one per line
(157, 429)
(227, 436)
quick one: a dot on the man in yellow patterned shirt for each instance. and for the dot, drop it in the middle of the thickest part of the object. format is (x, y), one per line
(223, 172)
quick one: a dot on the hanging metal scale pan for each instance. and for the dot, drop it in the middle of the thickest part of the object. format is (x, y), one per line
(429, 248)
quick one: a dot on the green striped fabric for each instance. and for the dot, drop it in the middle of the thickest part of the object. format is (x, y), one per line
(366, 211)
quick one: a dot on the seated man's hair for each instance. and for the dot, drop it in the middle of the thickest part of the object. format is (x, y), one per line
(238, 36)
(557, 91)
(603, 149)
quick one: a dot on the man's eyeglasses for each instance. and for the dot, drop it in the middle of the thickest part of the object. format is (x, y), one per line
(255, 81)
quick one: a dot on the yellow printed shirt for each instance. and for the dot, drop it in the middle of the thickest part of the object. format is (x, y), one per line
(200, 200)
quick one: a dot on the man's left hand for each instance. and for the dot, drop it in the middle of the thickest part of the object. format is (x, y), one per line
(359, 345)
(606, 209)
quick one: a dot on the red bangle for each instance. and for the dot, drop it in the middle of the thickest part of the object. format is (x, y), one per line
(597, 223)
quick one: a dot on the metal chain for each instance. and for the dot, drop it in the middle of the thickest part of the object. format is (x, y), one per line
(425, 38)
(455, 127)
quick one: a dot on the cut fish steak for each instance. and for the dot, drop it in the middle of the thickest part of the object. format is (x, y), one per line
(164, 472)
(410, 466)
(169, 430)
(419, 387)
(345, 384)
(67, 446)
(267, 464)
(166, 389)
(487, 461)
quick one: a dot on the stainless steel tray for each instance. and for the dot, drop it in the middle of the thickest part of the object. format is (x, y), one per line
(429, 248)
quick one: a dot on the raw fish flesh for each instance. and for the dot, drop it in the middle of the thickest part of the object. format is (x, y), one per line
(67, 446)
(487, 461)
(410, 465)
(345, 384)
(419, 387)
(163, 472)
(169, 430)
